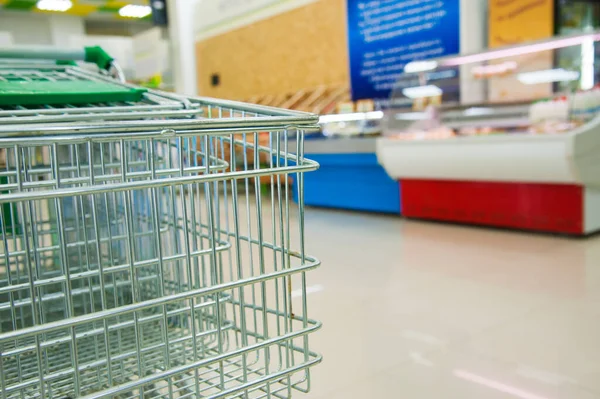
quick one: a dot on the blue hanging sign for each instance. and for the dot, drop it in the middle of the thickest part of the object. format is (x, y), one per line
(385, 35)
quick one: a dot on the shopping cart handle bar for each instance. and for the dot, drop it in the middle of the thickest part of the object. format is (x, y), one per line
(94, 54)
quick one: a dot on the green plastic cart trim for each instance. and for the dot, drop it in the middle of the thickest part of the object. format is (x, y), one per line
(21, 92)
(98, 56)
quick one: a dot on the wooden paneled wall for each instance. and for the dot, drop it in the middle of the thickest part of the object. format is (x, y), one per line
(302, 48)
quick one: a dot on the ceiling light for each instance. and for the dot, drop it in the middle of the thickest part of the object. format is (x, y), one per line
(54, 5)
(353, 117)
(545, 45)
(588, 58)
(547, 76)
(420, 66)
(422, 91)
(374, 115)
(135, 11)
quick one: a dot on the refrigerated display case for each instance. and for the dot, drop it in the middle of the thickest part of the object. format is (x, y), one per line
(508, 137)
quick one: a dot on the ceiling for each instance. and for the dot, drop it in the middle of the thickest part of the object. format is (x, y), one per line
(95, 9)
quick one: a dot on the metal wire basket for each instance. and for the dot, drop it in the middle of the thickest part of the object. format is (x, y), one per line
(132, 266)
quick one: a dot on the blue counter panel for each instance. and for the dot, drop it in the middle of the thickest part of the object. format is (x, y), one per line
(350, 181)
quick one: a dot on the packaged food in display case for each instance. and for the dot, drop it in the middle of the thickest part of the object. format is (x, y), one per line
(552, 89)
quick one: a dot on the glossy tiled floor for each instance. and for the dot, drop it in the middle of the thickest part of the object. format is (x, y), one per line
(422, 310)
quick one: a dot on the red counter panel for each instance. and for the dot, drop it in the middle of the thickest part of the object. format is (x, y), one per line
(530, 206)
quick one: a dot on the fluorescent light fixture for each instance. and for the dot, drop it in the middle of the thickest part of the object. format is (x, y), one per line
(547, 76)
(420, 66)
(353, 117)
(54, 5)
(135, 11)
(422, 91)
(551, 44)
(410, 116)
(331, 118)
(588, 55)
(496, 385)
(478, 111)
(374, 115)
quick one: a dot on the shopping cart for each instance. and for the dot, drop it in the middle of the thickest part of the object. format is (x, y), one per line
(45, 85)
(42, 85)
(131, 266)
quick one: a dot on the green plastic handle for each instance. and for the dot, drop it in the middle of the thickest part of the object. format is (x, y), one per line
(98, 56)
(93, 54)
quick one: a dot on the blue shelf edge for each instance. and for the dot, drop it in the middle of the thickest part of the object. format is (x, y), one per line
(350, 181)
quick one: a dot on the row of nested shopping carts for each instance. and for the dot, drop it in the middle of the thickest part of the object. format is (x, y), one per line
(139, 256)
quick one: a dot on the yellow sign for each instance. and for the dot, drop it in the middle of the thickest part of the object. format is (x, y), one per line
(512, 22)
(517, 21)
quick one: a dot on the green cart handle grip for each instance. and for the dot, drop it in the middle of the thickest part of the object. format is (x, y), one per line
(93, 54)
(97, 55)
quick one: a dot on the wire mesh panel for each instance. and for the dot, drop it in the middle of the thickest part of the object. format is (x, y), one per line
(145, 260)
(151, 104)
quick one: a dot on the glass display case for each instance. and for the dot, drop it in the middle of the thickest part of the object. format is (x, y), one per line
(508, 137)
(544, 87)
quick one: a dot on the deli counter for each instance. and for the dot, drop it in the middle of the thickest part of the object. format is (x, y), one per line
(508, 137)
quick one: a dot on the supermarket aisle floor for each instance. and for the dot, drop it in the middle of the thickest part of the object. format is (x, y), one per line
(423, 310)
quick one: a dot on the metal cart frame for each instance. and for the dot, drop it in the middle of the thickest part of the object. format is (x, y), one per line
(134, 267)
